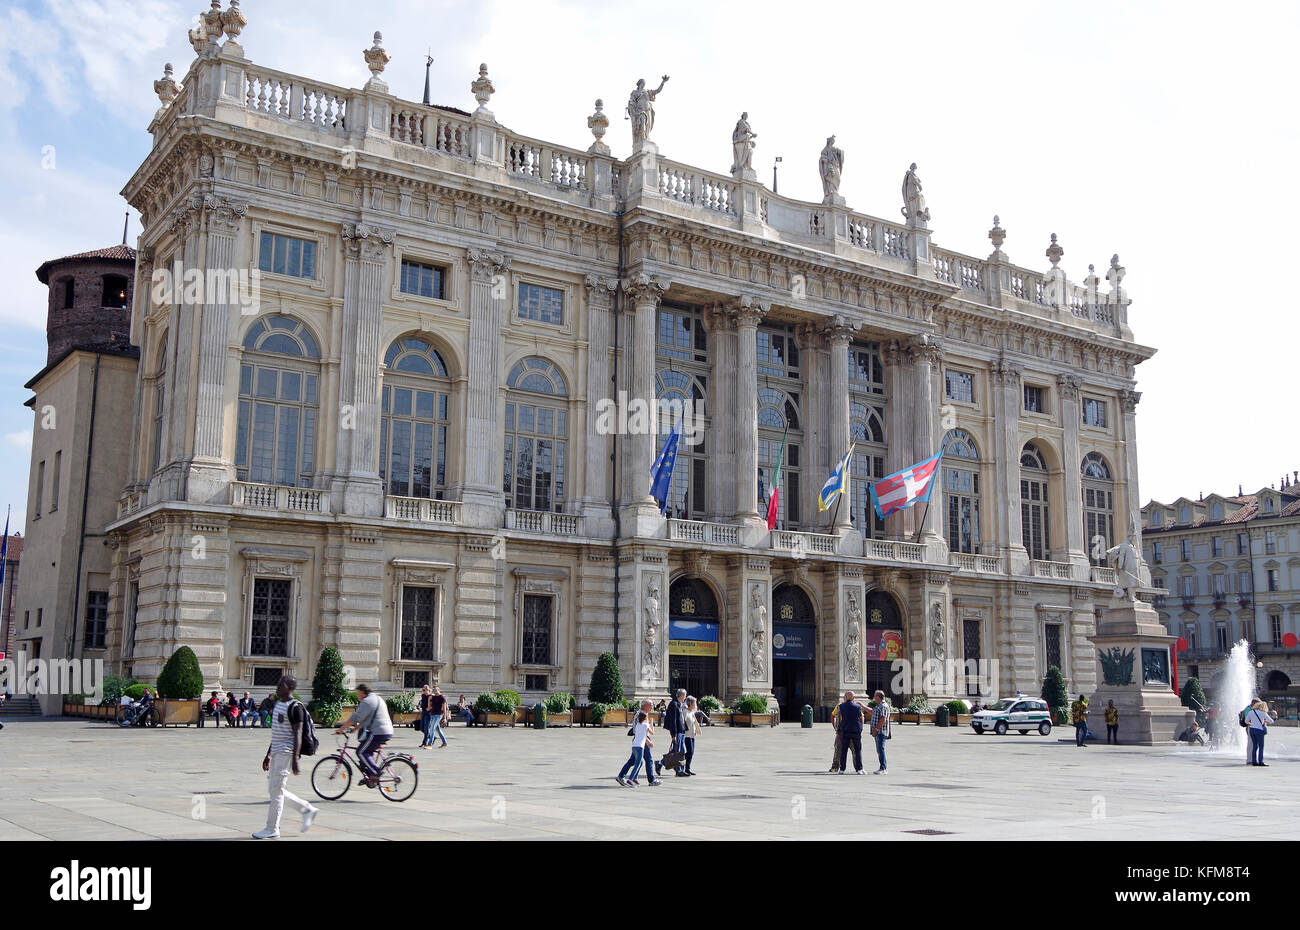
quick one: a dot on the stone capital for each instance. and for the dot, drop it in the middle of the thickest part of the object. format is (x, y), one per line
(1128, 400)
(366, 242)
(748, 311)
(1068, 385)
(838, 333)
(485, 264)
(646, 288)
(185, 215)
(600, 290)
(924, 348)
(1007, 373)
(719, 319)
(224, 213)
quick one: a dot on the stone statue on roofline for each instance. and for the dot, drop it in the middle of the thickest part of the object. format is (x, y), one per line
(831, 166)
(640, 109)
(742, 147)
(914, 209)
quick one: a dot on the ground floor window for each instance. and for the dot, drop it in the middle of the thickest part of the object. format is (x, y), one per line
(1052, 644)
(538, 618)
(266, 677)
(419, 615)
(537, 682)
(270, 632)
(413, 679)
(96, 619)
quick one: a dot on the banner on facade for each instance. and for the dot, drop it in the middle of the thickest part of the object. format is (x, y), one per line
(884, 645)
(793, 642)
(692, 638)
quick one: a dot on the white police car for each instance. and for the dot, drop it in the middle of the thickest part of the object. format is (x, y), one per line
(1018, 713)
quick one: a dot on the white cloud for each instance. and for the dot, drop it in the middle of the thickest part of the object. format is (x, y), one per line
(20, 440)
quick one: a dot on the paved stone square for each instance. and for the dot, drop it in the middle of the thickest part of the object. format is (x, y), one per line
(84, 780)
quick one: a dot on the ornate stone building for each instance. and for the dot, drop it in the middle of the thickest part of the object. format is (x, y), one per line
(397, 447)
(1230, 567)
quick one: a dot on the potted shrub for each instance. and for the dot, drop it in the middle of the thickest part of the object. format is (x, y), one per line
(403, 708)
(559, 709)
(958, 712)
(606, 692)
(917, 709)
(718, 713)
(331, 700)
(750, 710)
(494, 709)
(180, 685)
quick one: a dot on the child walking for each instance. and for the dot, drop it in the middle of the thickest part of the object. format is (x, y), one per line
(640, 742)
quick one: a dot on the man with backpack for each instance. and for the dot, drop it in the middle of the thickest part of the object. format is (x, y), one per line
(292, 736)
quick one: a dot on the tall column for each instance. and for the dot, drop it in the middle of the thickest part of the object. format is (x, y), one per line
(210, 471)
(927, 353)
(356, 486)
(599, 468)
(1076, 547)
(747, 312)
(838, 333)
(481, 493)
(640, 511)
(898, 455)
(721, 441)
(1006, 461)
(1128, 506)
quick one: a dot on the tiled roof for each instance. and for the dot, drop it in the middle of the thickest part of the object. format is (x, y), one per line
(15, 547)
(114, 253)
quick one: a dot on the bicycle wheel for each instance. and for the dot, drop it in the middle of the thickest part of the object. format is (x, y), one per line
(120, 717)
(331, 777)
(152, 718)
(398, 778)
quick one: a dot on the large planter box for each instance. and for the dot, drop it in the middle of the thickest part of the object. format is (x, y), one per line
(178, 713)
(581, 714)
(523, 716)
(407, 720)
(751, 720)
(908, 718)
(495, 720)
(720, 719)
(615, 716)
(560, 720)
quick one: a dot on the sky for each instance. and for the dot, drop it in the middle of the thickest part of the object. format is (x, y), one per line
(1161, 131)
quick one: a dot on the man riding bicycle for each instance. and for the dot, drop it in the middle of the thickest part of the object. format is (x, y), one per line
(371, 718)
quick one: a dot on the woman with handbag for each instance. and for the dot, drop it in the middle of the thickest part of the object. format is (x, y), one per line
(695, 719)
(426, 697)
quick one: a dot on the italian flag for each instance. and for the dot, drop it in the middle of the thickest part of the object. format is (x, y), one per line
(774, 499)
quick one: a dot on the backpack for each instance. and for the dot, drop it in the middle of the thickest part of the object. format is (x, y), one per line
(309, 741)
(1241, 717)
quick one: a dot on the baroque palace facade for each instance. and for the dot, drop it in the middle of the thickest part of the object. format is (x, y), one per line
(396, 446)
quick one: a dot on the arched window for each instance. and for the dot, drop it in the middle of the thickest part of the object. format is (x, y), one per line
(275, 439)
(159, 406)
(1033, 502)
(867, 433)
(961, 492)
(776, 410)
(681, 387)
(536, 436)
(413, 424)
(1098, 506)
(114, 294)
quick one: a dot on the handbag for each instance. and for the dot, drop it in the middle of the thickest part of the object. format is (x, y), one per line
(673, 759)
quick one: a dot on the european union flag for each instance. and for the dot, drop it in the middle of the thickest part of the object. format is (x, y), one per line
(661, 473)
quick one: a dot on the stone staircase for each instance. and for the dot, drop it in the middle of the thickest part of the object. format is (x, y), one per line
(20, 706)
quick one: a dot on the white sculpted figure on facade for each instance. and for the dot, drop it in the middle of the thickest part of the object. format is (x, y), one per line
(640, 109)
(758, 633)
(913, 200)
(831, 166)
(742, 147)
(853, 639)
(938, 635)
(651, 665)
(1127, 564)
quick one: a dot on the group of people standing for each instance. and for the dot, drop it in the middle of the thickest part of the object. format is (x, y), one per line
(682, 720)
(848, 719)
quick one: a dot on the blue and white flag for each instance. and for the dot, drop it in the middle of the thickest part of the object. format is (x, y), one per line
(661, 473)
(837, 483)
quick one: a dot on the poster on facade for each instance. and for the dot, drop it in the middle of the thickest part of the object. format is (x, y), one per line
(692, 638)
(792, 642)
(884, 645)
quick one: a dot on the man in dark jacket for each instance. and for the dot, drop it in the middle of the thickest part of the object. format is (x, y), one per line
(850, 714)
(675, 722)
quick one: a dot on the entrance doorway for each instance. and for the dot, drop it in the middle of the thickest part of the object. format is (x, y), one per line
(692, 637)
(794, 650)
(884, 642)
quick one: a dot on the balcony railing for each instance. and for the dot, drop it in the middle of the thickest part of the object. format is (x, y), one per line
(1103, 575)
(804, 542)
(893, 550)
(983, 564)
(1043, 569)
(543, 521)
(278, 497)
(700, 531)
(422, 510)
(130, 502)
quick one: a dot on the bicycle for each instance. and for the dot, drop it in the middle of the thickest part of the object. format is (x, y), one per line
(133, 716)
(398, 776)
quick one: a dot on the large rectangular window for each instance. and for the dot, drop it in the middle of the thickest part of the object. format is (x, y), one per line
(423, 280)
(96, 619)
(419, 616)
(961, 496)
(287, 255)
(275, 434)
(959, 385)
(270, 628)
(537, 629)
(1034, 399)
(542, 304)
(1052, 644)
(1094, 412)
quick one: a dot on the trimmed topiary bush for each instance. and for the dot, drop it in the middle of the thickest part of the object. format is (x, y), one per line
(957, 706)
(136, 691)
(181, 678)
(326, 713)
(1054, 692)
(596, 712)
(559, 703)
(710, 704)
(329, 684)
(114, 686)
(749, 704)
(512, 696)
(606, 681)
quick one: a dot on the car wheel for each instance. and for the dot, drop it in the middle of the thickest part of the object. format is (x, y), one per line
(979, 730)
(1000, 728)
(1045, 728)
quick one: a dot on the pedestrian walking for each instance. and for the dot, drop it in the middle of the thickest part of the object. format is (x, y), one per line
(675, 723)
(880, 730)
(851, 714)
(1112, 723)
(371, 718)
(437, 716)
(647, 708)
(695, 720)
(835, 752)
(1079, 717)
(641, 745)
(426, 695)
(1258, 719)
(287, 721)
